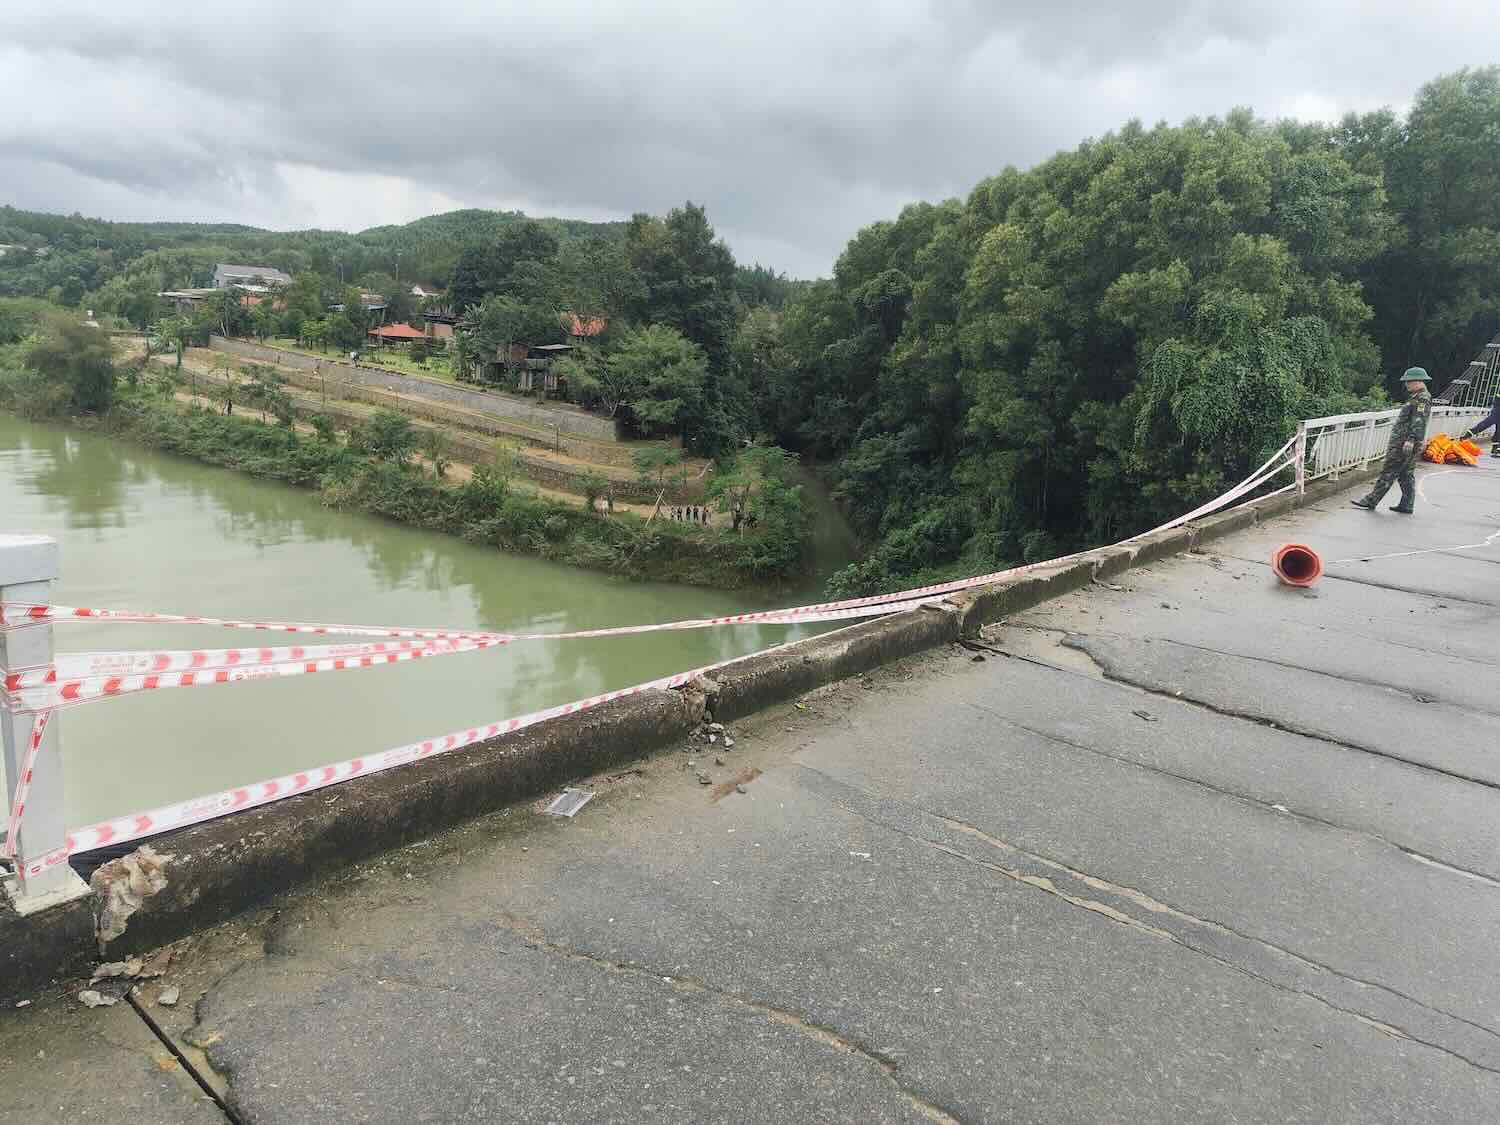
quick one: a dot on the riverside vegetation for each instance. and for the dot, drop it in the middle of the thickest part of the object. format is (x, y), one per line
(1070, 354)
(53, 366)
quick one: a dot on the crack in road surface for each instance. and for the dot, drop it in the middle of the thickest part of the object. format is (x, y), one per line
(1235, 795)
(535, 938)
(1265, 961)
(1115, 673)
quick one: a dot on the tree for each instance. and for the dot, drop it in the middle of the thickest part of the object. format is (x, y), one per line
(228, 390)
(654, 465)
(323, 427)
(747, 487)
(664, 373)
(593, 381)
(315, 333)
(434, 446)
(76, 360)
(266, 389)
(687, 280)
(1434, 289)
(389, 436)
(174, 332)
(515, 265)
(265, 319)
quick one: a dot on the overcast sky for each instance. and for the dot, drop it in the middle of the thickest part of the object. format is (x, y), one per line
(795, 123)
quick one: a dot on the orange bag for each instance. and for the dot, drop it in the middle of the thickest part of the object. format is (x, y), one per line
(1443, 449)
(1437, 449)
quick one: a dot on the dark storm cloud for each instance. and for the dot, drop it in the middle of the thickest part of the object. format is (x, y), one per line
(794, 122)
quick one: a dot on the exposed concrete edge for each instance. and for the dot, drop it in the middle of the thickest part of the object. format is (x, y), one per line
(212, 871)
(41, 947)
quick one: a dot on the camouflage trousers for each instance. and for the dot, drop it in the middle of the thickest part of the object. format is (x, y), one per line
(1399, 468)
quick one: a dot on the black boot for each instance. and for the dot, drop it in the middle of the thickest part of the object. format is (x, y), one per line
(1399, 508)
(1364, 502)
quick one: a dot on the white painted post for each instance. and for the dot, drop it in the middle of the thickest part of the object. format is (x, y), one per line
(1301, 455)
(28, 564)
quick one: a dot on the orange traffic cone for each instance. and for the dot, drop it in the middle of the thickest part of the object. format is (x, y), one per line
(1297, 565)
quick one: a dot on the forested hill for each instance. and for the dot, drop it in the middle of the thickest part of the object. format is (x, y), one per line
(1081, 350)
(81, 255)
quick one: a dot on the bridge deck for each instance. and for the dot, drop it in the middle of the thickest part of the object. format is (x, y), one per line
(1196, 848)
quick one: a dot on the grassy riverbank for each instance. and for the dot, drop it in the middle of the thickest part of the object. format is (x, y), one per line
(484, 509)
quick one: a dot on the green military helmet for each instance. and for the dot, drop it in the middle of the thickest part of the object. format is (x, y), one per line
(1416, 375)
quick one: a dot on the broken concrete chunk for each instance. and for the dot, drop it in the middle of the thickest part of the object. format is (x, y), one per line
(715, 728)
(124, 884)
(109, 971)
(89, 998)
(704, 779)
(168, 996)
(728, 743)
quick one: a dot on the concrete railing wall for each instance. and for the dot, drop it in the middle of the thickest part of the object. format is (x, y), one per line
(213, 870)
(499, 404)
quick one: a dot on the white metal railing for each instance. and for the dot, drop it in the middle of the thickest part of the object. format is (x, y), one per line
(1479, 383)
(1343, 443)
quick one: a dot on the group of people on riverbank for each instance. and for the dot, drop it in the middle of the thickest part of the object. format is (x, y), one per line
(691, 513)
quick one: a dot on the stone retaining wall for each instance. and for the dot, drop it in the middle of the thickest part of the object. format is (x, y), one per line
(499, 404)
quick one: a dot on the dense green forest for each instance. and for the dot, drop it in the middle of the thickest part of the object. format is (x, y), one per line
(1072, 353)
(1083, 349)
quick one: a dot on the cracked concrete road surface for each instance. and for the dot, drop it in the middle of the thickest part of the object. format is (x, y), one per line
(1189, 847)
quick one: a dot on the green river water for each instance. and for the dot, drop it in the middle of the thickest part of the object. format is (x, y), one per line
(141, 530)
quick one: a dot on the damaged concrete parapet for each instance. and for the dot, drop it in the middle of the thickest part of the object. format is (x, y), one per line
(1222, 523)
(198, 876)
(788, 672)
(986, 604)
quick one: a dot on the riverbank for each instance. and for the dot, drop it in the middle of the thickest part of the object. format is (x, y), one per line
(484, 509)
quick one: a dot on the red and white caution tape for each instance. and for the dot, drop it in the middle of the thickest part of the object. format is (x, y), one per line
(23, 783)
(101, 681)
(22, 613)
(75, 678)
(65, 691)
(14, 614)
(127, 828)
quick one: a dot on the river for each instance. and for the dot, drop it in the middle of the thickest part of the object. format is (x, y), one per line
(143, 530)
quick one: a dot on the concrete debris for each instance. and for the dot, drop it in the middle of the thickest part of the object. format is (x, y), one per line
(739, 789)
(124, 884)
(1147, 715)
(168, 996)
(715, 728)
(728, 743)
(713, 738)
(92, 999)
(109, 971)
(569, 801)
(704, 779)
(156, 964)
(23, 1003)
(718, 761)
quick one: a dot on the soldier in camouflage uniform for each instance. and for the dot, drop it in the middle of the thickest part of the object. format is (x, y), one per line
(1407, 437)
